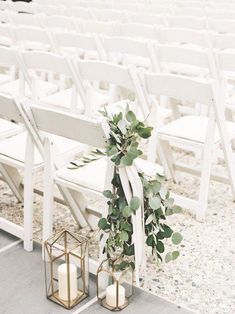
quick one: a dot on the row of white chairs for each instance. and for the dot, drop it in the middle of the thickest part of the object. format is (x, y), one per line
(211, 11)
(80, 18)
(50, 94)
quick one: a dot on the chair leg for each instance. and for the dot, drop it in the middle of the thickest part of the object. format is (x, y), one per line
(167, 160)
(204, 183)
(48, 195)
(28, 195)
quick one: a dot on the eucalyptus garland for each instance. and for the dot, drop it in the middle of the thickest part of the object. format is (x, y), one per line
(126, 131)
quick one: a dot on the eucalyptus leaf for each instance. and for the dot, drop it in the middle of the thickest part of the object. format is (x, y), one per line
(108, 194)
(126, 212)
(124, 236)
(160, 247)
(176, 238)
(130, 116)
(175, 255)
(135, 203)
(102, 224)
(155, 202)
(168, 257)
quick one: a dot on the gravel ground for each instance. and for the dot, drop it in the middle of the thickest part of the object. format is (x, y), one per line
(201, 278)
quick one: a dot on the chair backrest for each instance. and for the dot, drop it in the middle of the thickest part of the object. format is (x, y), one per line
(109, 15)
(33, 38)
(191, 22)
(190, 11)
(94, 27)
(155, 9)
(79, 12)
(58, 22)
(77, 41)
(184, 36)
(74, 127)
(203, 59)
(25, 19)
(224, 41)
(222, 14)
(129, 47)
(151, 19)
(138, 30)
(222, 25)
(189, 90)
(50, 9)
(119, 76)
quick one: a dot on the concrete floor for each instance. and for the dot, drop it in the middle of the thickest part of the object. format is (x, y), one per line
(22, 289)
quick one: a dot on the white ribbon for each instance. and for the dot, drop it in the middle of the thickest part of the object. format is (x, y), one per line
(132, 186)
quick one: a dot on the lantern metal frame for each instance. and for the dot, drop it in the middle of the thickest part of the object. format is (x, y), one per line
(69, 255)
(110, 271)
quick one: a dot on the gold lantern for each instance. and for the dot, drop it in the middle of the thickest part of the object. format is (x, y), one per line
(114, 286)
(66, 268)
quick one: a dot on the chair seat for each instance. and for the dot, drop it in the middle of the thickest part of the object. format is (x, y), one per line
(13, 88)
(192, 128)
(14, 147)
(8, 128)
(185, 69)
(62, 99)
(4, 78)
(92, 176)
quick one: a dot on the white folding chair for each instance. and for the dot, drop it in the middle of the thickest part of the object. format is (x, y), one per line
(33, 38)
(223, 42)
(222, 14)
(25, 19)
(222, 25)
(126, 51)
(122, 83)
(79, 12)
(83, 45)
(24, 84)
(144, 18)
(17, 153)
(65, 94)
(109, 15)
(80, 182)
(182, 36)
(191, 22)
(50, 9)
(155, 9)
(94, 27)
(195, 131)
(190, 11)
(58, 22)
(137, 30)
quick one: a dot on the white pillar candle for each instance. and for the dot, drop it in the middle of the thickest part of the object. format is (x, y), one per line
(111, 295)
(63, 282)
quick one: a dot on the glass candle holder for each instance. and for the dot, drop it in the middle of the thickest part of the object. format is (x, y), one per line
(114, 285)
(66, 268)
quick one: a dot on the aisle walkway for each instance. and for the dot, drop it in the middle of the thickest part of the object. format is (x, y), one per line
(22, 287)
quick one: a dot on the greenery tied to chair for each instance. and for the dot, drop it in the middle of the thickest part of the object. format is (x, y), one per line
(125, 134)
